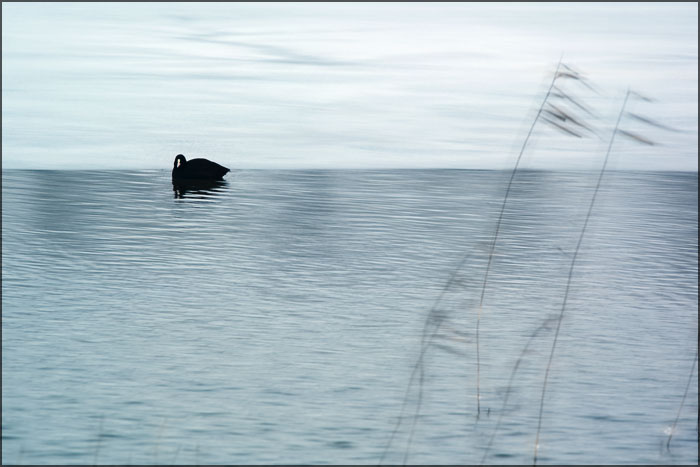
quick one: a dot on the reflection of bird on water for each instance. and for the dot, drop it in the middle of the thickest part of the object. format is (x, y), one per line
(200, 190)
(197, 170)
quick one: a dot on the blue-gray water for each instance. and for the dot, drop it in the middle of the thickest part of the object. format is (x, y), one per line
(277, 318)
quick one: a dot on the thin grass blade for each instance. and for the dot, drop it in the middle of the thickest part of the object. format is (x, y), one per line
(636, 137)
(641, 96)
(561, 127)
(562, 95)
(651, 122)
(567, 116)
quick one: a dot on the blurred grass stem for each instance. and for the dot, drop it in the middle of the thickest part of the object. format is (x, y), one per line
(571, 272)
(495, 237)
(690, 379)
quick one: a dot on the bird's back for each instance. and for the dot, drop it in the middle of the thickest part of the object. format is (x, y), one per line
(201, 169)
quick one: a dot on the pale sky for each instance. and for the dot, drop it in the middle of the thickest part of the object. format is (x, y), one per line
(126, 85)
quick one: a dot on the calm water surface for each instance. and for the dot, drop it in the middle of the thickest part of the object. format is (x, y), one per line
(278, 317)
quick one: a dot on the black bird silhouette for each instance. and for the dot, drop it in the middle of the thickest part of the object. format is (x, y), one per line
(197, 170)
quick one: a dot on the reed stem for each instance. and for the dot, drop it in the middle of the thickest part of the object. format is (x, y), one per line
(571, 272)
(426, 339)
(685, 394)
(495, 238)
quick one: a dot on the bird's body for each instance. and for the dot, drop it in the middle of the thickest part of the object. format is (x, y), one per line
(197, 170)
